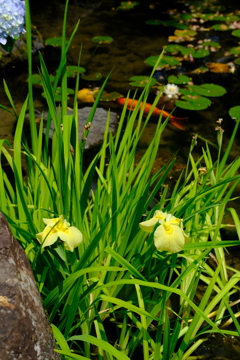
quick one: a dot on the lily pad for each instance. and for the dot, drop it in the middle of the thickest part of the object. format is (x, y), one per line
(58, 93)
(234, 112)
(175, 24)
(55, 41)
(127, 5)
(154, 22)
(73, 70)
(165, 61)
(110, 97)
(180, 79)
(37, 81)
(211, 90)
(142, 81)
(237, 61)
(173, 48)
(220, 27)
(235, 50)
(187, 51)
(102, 39)
(236, 32)
(193, 102)
(92, 77)
(200, 53)
(213, 44)
(185, 33)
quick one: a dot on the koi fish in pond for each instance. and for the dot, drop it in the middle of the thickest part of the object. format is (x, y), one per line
(131, 104)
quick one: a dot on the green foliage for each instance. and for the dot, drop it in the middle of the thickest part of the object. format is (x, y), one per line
(92, 77)
(165, 61)
(116, 273)
(179, 79)
(142, 81)
(234, 112)
(193, 102)
(102, 39)
(235, 50)
(55, 41)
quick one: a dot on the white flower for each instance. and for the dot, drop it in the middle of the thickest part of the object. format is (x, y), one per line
(60, 228)
(170, 90)
(12, 18)
(169, 235)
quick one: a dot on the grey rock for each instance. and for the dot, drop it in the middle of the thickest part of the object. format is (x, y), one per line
(96, 131)
(25, 332)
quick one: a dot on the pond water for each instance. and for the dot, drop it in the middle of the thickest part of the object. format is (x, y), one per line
(134, 41)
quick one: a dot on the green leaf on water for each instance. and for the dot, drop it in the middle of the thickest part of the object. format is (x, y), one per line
(165, 61)
(55, 41)
(73, 70)
(211, 90)
(109, 97)
(187, 50)
(142, 81)
(234, 112)
(36, 79)
(180, 79)
(173, 48)
(220, 27)
(154, 22)
(213, 44)
(237, 61)
(186, 16)
(235, 50)
(236, 33)
(199, 53)
(127, 5)
(92, 77)
(58, 93)
(175, 24)
(193, 102)
(102, 39)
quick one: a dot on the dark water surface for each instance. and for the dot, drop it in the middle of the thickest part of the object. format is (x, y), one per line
(134, 41)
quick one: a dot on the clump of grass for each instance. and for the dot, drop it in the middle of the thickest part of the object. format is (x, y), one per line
(116, 275)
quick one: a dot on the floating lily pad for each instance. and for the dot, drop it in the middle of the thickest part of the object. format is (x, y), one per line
(237, 61)
(102, 39)
(188, 92)
(220, 27)
(186, 16)
(235, 50)
(218, 67)
(213, 44)
(187, 50)
(200, 70)
(127, 5)
(142, 81)
(58, 93)
(73, 70)
(234, 112)
(154, 22)
(173, 48)
(185, 33)
(55, 41)
(200, 53)
(37, 81)
(92, 77)
(175, 24)
(236, 32)
(110, 97)
(166, 60)
(211, 90)
(180, 79)
(193, 102)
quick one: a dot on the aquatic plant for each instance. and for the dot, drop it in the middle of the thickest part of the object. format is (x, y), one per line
(116, 278)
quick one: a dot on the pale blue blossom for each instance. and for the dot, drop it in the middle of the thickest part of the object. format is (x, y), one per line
(12, 18)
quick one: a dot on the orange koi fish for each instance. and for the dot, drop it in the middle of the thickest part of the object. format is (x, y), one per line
(131, 104)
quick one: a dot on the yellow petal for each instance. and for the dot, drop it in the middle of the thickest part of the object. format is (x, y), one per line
(169, 237)
(47, 237)
(148, 225)
(72, 237)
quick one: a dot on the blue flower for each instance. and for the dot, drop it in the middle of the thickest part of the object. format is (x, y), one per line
(12, 18)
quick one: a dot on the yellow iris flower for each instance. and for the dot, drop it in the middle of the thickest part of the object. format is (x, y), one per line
(60, 228)
(169, 236)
